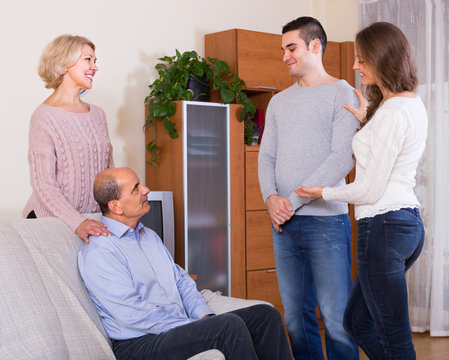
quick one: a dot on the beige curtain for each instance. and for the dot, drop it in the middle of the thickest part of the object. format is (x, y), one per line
(426, 25)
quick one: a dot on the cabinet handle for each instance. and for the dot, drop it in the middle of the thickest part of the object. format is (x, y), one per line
(266, 87)
(271, 270)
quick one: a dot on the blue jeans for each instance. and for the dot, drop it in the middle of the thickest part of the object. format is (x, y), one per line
(254, 332)
(313, 263)
(377, 311)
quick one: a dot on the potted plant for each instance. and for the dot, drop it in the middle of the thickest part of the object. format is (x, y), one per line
(178, 76)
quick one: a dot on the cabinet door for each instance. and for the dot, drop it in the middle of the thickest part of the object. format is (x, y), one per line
(259, 241)
(255, 56)
(331, 59)
(207, 195)
(263, 285)
(254, 200)
(257, 51)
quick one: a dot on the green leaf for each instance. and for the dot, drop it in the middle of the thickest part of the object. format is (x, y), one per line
(250, 132)
(170, 128)
(189, 95)
(198, 69)
(171, 108)
(227, 95)
(159, 110)
(220, 66)
(155, 153)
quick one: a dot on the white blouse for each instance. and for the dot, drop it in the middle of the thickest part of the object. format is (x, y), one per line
(387, 151)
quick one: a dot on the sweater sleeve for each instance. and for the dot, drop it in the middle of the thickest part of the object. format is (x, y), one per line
(42, 160)
(339, 162)
(386, 139)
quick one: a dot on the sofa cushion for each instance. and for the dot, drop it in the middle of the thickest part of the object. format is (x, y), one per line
(27, 322)
(45, 312)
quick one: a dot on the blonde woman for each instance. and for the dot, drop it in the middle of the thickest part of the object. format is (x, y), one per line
(68, 141)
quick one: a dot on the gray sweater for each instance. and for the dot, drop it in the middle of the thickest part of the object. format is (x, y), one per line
(307, 141)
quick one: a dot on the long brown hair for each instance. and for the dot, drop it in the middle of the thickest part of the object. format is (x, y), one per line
(384, 47)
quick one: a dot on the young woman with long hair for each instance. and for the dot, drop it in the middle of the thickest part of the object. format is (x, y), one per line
(390, 233)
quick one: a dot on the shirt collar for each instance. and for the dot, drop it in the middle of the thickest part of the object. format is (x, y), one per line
(117, 228)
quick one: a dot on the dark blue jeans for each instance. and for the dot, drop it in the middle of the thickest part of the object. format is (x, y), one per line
(313, 264)
(250, 333)
(377, 311)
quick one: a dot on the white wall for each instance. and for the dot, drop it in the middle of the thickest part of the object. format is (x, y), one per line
(130, 36)
(340, 18)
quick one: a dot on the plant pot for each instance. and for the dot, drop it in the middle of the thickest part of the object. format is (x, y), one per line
(199, 86)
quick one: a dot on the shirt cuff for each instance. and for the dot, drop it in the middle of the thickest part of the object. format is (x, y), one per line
(201, 311)
(328, 194)
(296, 201)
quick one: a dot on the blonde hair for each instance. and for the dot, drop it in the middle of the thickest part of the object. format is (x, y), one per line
(61, 53)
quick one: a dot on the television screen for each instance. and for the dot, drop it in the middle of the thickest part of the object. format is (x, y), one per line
(154, 219)
(161, 218)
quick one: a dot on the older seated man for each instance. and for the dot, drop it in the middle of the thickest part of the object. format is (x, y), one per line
(149, 306)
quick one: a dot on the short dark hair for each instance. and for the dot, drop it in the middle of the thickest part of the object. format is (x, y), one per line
(105, 190)
(309, 29)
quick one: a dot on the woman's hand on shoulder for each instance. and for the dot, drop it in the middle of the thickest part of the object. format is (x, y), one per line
(360, 113)
(91, 227)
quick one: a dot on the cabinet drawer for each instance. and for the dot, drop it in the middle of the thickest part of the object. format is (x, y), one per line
(259, 241)
(254, 200)
(263, 285)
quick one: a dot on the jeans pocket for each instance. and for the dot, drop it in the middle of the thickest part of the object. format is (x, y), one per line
(401, 238)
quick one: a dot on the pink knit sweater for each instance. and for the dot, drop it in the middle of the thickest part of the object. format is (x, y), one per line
(66, 151)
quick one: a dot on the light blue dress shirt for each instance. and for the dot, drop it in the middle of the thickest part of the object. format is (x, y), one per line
(135, 284)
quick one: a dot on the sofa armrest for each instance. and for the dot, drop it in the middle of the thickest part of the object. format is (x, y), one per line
(220, 304)
(213, 354)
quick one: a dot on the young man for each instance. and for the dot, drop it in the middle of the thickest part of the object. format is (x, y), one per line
(150, 306)
(307, 140)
